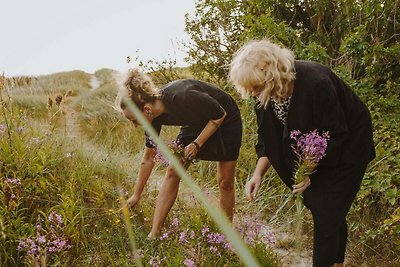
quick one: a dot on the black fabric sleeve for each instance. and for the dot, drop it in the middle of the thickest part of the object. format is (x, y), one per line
(149, 141)
(204, 105)
(329, 116)
(260, 146)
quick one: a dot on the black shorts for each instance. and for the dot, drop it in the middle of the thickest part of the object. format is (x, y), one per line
(223, 145)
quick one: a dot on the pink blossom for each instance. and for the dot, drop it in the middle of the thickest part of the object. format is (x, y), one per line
(214, 249)
(189, 263)
(164, 236)
(182, 237)
(175, 222)
(205, 230)
(55, 218)
(294, 134)
(310, 146)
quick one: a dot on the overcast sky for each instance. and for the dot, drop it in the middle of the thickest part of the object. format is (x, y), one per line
(47, 36)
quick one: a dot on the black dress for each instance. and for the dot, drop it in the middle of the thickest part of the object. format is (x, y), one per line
(321, 101)
(192, 104)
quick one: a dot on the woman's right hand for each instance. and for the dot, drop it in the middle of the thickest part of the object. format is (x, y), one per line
(252, 187)
(132, 201)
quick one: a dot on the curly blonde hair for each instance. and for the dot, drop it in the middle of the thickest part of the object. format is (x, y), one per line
(139, 88)
(261, 63)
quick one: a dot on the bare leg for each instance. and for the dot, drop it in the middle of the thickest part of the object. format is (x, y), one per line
(226, 183)
(165, 200)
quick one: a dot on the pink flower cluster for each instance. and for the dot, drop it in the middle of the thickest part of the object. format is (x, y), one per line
(252, 231)
(311, 146)
(176, 148)
(256, 231)
(50, 240)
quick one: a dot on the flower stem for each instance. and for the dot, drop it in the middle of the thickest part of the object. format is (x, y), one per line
(298, 225)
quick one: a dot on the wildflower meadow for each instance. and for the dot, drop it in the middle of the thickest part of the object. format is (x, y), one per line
(69, 159)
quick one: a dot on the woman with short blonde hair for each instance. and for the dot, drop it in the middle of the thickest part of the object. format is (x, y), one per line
(267, 67)
(295, 95)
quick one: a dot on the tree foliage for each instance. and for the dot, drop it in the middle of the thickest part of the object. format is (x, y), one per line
(361, 35)
(357, 38)
(215, 30)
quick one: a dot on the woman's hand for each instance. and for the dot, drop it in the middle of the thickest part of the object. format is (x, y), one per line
(191, 151)
(302, 186)
(193, 148)
(132, 201)
(252, 187)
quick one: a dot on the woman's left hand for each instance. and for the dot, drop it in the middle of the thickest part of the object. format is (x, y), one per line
(191, 151)
(302, 186)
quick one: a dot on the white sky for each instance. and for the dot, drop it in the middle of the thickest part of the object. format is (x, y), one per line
(47, 36)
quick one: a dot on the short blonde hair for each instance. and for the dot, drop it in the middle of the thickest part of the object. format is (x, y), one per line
(139, 88)
(263, 63)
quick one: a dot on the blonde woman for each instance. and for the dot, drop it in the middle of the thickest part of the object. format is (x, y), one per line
(305, 96)
(211, 130)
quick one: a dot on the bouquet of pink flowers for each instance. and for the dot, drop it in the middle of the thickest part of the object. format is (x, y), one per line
(177, 149)
(310, 148)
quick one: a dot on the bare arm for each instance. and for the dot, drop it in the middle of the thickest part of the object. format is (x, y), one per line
(254, 183)
(210, 128)
(262, 166)
(144, 173)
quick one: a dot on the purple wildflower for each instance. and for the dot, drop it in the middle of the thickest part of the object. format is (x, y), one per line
(45, 239)
(176, 148)
(164, 236)
(205, 230)
(189, 263)
(22, 245)
(214, 249)
(182, 237)
(294, 134)
(311, 146)
(55, 218)
(159, 157)
(215, 238)
(255, 231)
(228, 246)
(175, 222)
(268, 238)
(41, 239)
